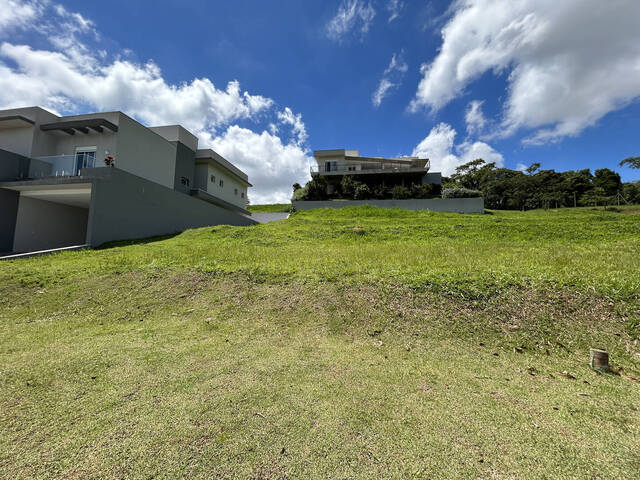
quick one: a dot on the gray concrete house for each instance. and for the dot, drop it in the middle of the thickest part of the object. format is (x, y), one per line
(335, 164)
(57, 189)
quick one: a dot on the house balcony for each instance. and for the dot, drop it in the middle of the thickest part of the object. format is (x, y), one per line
(60, 165)
(370, 168)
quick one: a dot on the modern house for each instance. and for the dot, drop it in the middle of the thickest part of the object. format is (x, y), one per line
(335, 164)
(90, 179)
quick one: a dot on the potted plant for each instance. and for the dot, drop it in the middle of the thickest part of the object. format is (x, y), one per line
(109, 161)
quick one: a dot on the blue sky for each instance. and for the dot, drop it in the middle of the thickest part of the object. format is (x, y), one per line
(514, 82)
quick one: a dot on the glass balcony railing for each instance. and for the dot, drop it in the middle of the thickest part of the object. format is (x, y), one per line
(388, 166)
(60, 165)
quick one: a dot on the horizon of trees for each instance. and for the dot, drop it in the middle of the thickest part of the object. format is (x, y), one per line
(508, 189)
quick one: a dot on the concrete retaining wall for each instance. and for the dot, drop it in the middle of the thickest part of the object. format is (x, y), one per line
(124, 206)
(457, 205)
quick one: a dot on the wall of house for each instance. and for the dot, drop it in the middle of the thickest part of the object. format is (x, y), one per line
(143, 152)
(232, 190)
(22, 140)
(42, 225)
(456, 205)
(8, 214)
(17, 140)
(201, 179)
(124, 206)
(185, 168)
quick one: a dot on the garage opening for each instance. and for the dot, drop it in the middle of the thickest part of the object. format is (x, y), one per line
(52, 216)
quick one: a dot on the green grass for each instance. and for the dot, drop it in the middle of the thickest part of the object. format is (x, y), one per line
(274, 207)
(415, 345)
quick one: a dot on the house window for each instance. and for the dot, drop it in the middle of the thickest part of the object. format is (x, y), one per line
(235, 191)
(241, 194)
(221, 183)
(213, 179)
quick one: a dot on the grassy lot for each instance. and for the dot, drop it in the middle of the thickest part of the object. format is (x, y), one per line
(353, 343)
(274, 207)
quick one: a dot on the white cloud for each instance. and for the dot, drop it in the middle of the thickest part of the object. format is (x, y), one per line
(391, 78)
(272, 165)
(521, 167)
(475, 118)
(55, 80)
(394, 7)
(440, 148)
(383, 87)
(568, 63)
(17, 14)
(352, 16)
(71, 77)
(287, 117)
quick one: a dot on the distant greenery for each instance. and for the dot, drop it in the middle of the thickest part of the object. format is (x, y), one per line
(350, 189)
(460, 192)
(270, 208)
(503, 188)
(350, 343)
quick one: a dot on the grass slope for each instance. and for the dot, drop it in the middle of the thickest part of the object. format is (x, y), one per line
(413, 345)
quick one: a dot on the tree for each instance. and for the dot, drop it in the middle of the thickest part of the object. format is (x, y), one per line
(533, 167)
(633, 162)
(608, 180)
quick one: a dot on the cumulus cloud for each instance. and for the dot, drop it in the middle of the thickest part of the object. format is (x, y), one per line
(474, 117)
(272, 165)
(440, 148)
(75, 79)
(353, 16)
(391, 78)
(394, 7)
(567, 63)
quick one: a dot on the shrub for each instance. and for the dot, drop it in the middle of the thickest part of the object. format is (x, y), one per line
(348, 187)
(400, 193)
(316, 188)
(380, 192)
(361, 192)
(460, 193)
(301, 193)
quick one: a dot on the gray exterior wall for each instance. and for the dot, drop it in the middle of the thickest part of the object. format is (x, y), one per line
(185, 167)
(124, 206)
(27, 140)
(457, 205)
(144, 153)
(42, 225)
(8, 215)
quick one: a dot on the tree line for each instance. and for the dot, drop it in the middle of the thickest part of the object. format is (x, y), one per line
(503, 188)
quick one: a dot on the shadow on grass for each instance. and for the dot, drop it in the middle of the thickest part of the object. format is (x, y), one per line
(136, 241)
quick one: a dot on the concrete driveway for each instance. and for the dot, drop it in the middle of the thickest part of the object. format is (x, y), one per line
(264, 217)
